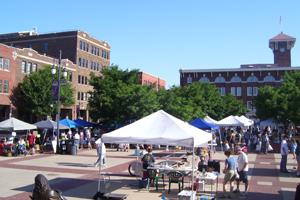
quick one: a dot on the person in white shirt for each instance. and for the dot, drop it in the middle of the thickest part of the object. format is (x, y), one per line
(284, 151)
(242, 169)
(101, 151)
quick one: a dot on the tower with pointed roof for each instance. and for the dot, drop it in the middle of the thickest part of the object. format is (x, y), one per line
(281, 45)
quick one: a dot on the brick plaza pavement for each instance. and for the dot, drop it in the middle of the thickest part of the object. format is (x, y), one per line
(77, 178)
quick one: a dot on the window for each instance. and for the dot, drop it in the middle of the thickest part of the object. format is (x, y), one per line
(189, 79)
(204, 80)
(249, 105)
(0, 86)
(98, 67)
(23, 67)
(252, 78)
(5, 90)
(45, 46)
(28, 67)
(79, 61)
(252, 91)
(78, 95)
(87, 47)
(6, 64)
(220, 79)
(85, 80)
(269, 78)
(82, 79)
(79, 78)
(34, 67)
(236, 91)
(222, 91)
(70, 76)
(87, 64)
(1, 63)
(80, 45)
(81, 96)
(92, 49)
(236, 78)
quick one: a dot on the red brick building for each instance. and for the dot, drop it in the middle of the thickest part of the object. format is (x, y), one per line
(87, 53)
(147, 79)
(243, 82)
(21, 63)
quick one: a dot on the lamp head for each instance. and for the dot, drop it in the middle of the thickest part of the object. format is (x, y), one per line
(65, 73)
(53, 70)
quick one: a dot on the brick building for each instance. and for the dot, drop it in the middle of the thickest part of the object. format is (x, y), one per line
(18, 63)
(87, 53)
(147, 79)
(243, 82)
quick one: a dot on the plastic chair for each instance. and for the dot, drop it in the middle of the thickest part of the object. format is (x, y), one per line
(175, 177)
(153, 176)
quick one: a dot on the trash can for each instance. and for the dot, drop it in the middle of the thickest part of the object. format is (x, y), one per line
(73, 149)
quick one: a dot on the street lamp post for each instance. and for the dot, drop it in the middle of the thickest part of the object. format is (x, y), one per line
(56, 94)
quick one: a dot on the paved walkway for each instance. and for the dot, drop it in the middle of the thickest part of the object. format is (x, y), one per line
(77, 178)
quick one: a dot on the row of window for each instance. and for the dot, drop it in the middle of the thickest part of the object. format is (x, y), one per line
(4, 63)
(4, 86)
(234, 79)
(82, 80)
(237, 91)
(84, 46)
(28, 67)
(83, 96)
(82, 62)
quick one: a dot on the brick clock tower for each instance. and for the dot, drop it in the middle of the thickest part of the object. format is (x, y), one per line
(281, 45)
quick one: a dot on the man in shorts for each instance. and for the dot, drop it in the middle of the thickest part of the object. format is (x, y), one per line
(229, 171)
(242, 169)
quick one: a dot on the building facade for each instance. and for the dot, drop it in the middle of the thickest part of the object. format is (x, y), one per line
(243, 82)
(148, 79)
(87, 53)
(21, 63)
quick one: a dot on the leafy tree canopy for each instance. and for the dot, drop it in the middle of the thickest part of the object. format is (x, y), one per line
(33, 96)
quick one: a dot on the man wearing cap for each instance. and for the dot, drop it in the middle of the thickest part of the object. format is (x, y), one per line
(242, 169)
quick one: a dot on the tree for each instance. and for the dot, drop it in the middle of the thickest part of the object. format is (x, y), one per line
(281, 104)
(118, 98)
(232, 106)
(33, 97)
(197, 100)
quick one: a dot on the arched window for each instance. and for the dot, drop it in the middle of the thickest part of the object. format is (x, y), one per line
(204, 79)
(236, 78)
(220, 79)
(252, 78)
(269, 78)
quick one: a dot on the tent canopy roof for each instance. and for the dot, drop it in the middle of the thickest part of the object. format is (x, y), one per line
(202, 124)
(83, 123)
(13, 124)
(49, 124)
(159, 128)
(69, 123)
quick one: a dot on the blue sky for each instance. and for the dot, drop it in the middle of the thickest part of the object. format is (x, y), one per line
(162, 36)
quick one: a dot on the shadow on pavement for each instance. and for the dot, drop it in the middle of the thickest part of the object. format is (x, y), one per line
(75, 164)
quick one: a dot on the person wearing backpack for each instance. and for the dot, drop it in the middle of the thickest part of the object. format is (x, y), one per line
(297, 152)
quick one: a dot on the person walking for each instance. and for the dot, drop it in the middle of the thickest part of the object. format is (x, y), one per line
(101, 152)
(284, 151)
(242, 169)
(229, 171)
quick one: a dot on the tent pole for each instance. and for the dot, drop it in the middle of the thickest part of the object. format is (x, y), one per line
(193, 164)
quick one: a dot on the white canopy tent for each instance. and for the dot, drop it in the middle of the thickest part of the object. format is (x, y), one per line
(13, 124)
(159, 128)
(230, 121)
(210, 120)
(245, 120)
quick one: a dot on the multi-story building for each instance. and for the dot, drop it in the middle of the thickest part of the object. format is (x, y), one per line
(243, 82)
(86, 52)
(18, 63)
(147, 79)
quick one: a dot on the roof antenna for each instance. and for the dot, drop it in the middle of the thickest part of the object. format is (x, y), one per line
(280, 25)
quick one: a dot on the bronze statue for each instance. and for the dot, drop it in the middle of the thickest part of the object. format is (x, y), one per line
(43, 191)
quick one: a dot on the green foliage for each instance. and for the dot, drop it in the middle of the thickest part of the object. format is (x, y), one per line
(118, 98)
(197, 100)
(32, 97)
(283, 103)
